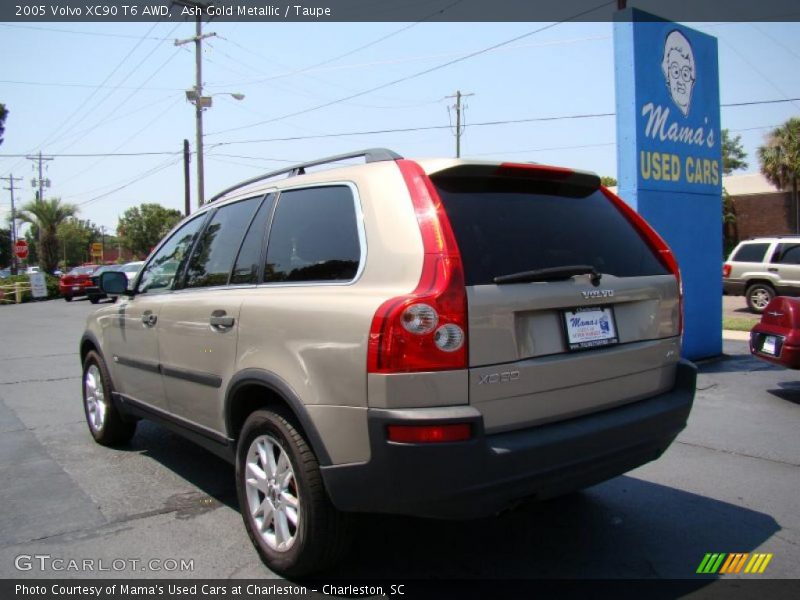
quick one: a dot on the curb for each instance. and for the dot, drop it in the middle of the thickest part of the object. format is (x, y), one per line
(738, 336)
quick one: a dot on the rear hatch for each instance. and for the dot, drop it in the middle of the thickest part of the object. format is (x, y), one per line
(571, 307)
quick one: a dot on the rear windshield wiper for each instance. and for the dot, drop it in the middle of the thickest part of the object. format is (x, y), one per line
(551, 274)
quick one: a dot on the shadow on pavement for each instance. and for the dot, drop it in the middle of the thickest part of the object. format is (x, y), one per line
(736, 363)
(624, 528)
(789, 391)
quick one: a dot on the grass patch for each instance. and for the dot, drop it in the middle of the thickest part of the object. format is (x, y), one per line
(739, 323)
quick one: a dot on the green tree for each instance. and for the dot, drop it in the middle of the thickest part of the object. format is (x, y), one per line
(3, 115)
(143, 226)
(31, 236)
(47, 215)
(75, 236)
(733, 154)
(780, 159)
(5, 247)
(608, 181)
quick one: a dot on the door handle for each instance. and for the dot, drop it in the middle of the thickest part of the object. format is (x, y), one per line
(149, 319)
(772, 270)
(219, 320)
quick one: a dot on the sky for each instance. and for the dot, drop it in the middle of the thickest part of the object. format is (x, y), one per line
(113, 88)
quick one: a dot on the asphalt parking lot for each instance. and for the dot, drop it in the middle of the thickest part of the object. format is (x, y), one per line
(729, 484)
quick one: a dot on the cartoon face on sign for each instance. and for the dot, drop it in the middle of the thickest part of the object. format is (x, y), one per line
(679, 69)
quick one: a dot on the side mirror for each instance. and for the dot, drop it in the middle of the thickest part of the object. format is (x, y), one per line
(114, 283)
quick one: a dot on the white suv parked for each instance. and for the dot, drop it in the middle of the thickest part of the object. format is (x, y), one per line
(761, 268)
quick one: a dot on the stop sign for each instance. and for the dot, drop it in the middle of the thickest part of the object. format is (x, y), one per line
(21, 249)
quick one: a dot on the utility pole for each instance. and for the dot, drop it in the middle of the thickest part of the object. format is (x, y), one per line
(11, 179)
(458, 108)
(41, 183)
(196, 95)
(187, 157)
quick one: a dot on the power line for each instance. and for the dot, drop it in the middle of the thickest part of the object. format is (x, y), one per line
(327, 61)
(136, 179)
(94, 33)
(418, 74)
(62, 84)
(381, 131)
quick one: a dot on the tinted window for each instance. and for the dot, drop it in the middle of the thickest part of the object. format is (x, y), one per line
(159, 274)
(751, 253)
(504, 226)
(212, 259)
(788, 254)
(249, 259)
(314, 236)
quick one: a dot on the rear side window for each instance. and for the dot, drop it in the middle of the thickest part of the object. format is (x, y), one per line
(511, 225)
(750, 253)
(314, 236)
(788, 254)
(218, 244)
(249, 259)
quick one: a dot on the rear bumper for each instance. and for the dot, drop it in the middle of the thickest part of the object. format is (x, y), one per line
(492, 472)
(732, 288)
(787, 347)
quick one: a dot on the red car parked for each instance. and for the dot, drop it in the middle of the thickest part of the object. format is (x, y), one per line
(777, 337)
(76, 281)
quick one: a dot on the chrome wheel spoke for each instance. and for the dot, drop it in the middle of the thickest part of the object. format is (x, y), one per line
(282, 534)
(271, 493)
(96, 405)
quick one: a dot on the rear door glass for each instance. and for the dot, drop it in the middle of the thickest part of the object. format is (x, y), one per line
(750, 253)
(505, 226)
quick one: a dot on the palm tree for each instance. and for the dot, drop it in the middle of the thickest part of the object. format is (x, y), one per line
(780, 160)
(47, 215)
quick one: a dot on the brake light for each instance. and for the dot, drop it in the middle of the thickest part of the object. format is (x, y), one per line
(427, 434)
(425, 330)
(655, 241)
(726, 270)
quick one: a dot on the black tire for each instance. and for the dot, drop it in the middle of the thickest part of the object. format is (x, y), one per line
(758, 295)
(112, 429)
(322, 533)
(68, 298)
(94, 299)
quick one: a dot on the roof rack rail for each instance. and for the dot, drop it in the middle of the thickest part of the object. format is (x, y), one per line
(370, 155)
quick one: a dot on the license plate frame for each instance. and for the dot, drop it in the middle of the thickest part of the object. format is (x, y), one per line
(770, 345)
(590, 327)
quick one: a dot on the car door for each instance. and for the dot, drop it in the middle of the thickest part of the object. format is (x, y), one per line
(786, 264)
(132, 337)
(199, 323)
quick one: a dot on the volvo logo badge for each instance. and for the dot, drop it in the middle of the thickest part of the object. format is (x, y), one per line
(593, 294)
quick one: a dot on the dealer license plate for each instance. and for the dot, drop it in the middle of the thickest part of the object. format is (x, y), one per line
(770, 344)
(590, 327)
(76, 288)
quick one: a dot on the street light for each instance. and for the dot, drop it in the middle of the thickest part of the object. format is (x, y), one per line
(194, 95)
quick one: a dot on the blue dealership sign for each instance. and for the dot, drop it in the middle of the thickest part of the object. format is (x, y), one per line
(669, 156)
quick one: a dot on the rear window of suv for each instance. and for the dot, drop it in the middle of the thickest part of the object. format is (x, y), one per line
(510, 225)
(751, 253)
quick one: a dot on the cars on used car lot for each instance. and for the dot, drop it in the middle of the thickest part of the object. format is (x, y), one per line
(93, 291)
(130, 269)
(76, 282)
(761, 268)
(776, 338)
(440, 338)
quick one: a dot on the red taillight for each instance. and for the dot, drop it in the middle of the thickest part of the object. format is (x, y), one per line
(425, 330)
(726, 270)
(429, 434)
(655, 241)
